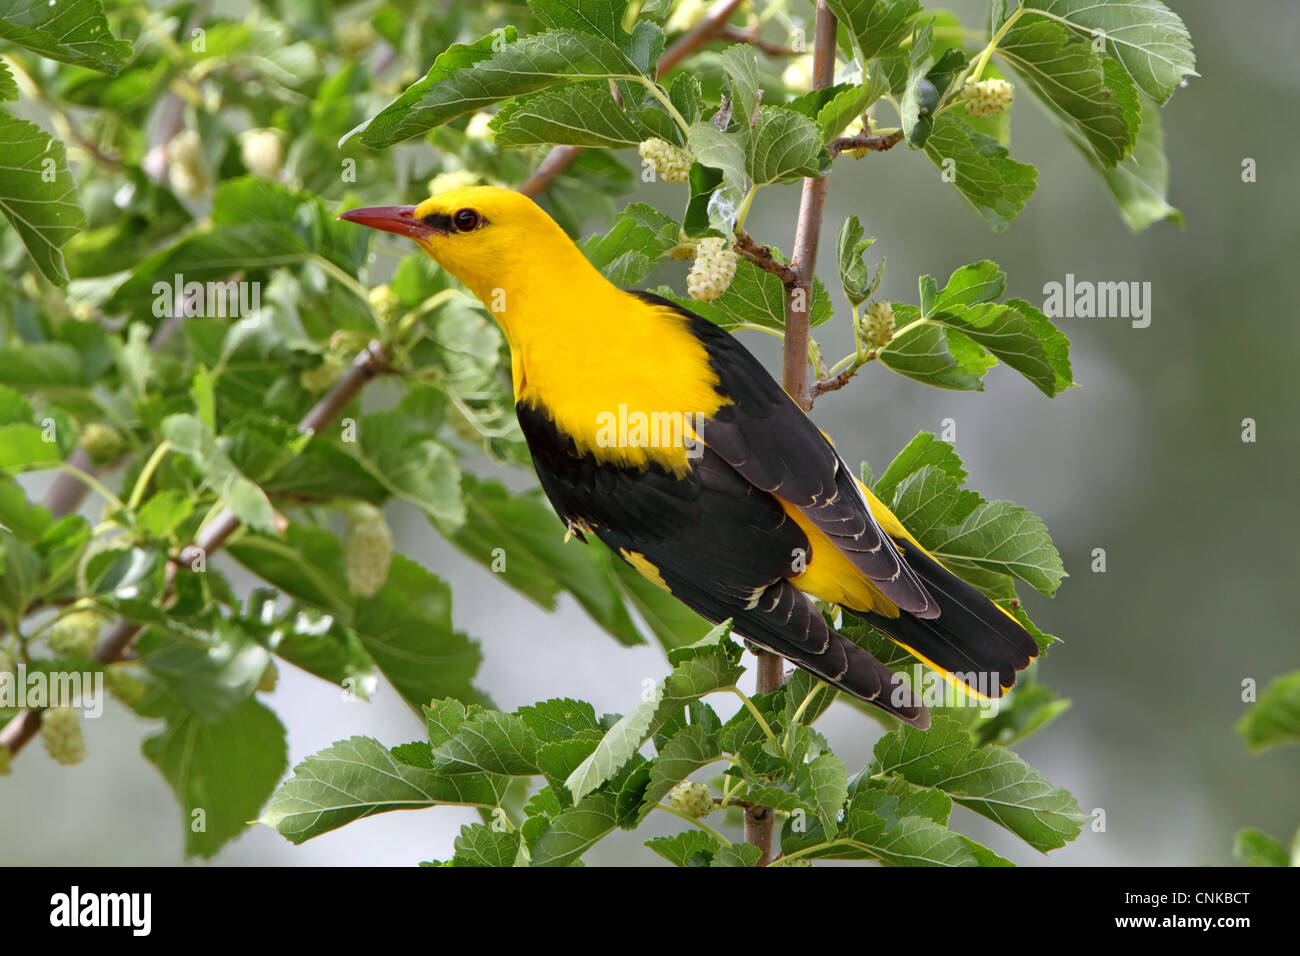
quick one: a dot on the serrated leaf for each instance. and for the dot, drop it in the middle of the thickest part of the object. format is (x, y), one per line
(71, 31)
(992, 781)
(924, 449)
(754, 298)
(1073, 81)
(737, 854)
(479, 845)
(877, 26)
(583, 114)
(572, 832)
(1004, 537)
(1147, 37)
(686, 752)
(359, 777)
(38, 195)
(785, 145)
(996, 186)
(630, 250)
(469, 78)
(688, 848)
(1140, 183)
(489, 742)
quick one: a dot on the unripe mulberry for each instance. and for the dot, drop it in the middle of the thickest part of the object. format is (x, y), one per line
(878, 323)
(369, 549)
(713, 269)
(455, 179)
(385, 302)
(270, 677)
(61, 735)
(670, 164)
(691, 798)
(102, 443)
(478, 128)
(260, 152)
(987, 96)
(355, 37)
(75, 634)
(858, 128)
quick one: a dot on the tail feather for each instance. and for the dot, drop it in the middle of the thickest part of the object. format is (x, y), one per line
(972, 642)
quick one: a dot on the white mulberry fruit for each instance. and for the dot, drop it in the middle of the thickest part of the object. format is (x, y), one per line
(670, 164)
(261, 152)
(124, 685)
(987, 96)
(713, 269)
(878, 323)
(685, 15)
(691, 798)
(798, 76)
(354, 38)
(75, 634)
(324, 375)
(185, 166)
(369, 549)
(61, 735)
(385, 302)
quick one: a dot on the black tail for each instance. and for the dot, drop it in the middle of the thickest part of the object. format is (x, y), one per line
(972, 640)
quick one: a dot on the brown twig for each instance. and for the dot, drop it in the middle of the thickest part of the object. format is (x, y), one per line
(750, 35)
(879, 142)
(760, 821)
(709, 28)
(114, 644)
(762, 257)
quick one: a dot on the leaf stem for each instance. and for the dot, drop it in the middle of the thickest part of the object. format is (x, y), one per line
(753, 709)
(695, 820)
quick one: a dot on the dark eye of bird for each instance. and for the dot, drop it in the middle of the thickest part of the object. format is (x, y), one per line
(465, 220)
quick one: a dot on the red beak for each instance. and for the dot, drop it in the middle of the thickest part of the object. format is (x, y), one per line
(398, 219)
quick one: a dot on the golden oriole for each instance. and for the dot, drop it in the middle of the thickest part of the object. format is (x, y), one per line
(740, 511)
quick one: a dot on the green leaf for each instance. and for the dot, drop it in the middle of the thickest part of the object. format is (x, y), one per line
(469, 78)
(1003, 537)
(1274, 719)
(737, 854)
(975, 328)
(8, 85)
(754, 298)
(24, 446)
(221, 772)
(359, 777)
(210, 680)
(992, 781)
(584, 114)
(1145, 35)
(249, 502)
(489, 742)
(688, 848)
(855, 277)
(574, 831)
(925, 449)
(1090, 93)
(830, 788)
(711, 669)
(479, 845)
(726, 153)
(630, 250)
(996, 186)
(402, 454)
(1256, 848)
(877, 26)
(785, 145)
(38, 195)
(1140, 183)
(71, 31)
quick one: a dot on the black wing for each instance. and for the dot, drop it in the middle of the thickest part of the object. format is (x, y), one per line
(721, 545)
(772, 444)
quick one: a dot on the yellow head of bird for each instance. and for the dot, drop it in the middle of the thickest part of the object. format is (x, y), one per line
(489, 238)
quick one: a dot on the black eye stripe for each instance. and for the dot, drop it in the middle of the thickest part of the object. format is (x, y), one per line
(438, 220)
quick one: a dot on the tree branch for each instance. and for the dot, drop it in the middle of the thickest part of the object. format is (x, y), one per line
(711, 27)
(760, 821)
(879, 142)
(114, 644)
(762, 257)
